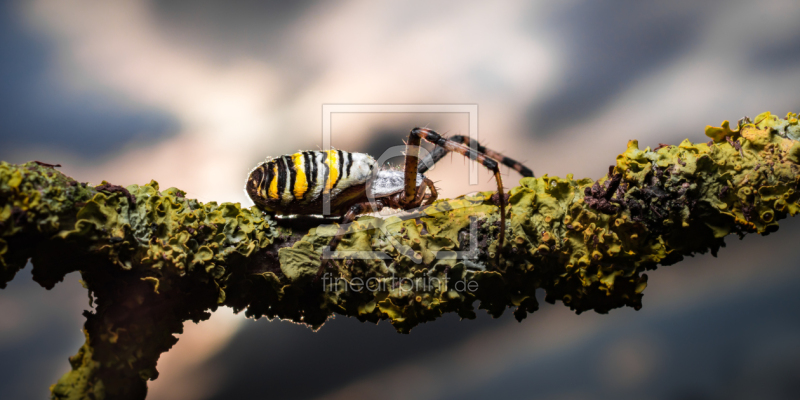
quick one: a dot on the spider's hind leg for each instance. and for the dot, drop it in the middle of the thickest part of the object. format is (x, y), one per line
(438, 153)
(354, 211)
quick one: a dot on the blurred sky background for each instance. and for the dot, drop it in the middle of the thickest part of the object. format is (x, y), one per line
(194, 93)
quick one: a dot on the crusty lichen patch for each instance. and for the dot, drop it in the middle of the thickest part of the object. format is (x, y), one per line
(586, 243)
(154, 259)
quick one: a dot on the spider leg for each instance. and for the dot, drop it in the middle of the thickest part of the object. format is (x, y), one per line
(434, 195)
(354, 211)
(439, 153)
(420, 197)
(412, 163)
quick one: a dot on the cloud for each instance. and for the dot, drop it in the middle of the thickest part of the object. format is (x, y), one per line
(38, 110)
(562, 85)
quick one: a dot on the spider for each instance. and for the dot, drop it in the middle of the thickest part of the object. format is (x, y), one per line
(296, 184)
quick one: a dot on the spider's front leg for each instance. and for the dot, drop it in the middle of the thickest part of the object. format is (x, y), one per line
(412, 162)
(438, 153)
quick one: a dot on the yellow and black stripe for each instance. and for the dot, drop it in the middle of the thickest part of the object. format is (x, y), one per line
(302, 177)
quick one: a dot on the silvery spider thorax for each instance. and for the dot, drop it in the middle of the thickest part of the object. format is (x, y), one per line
(388, 181)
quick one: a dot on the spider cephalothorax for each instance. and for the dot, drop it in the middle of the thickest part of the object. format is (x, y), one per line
(353, 183)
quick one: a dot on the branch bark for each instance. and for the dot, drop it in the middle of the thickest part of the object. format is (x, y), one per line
(153, 258)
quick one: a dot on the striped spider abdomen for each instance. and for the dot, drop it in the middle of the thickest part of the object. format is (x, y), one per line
(295, 184)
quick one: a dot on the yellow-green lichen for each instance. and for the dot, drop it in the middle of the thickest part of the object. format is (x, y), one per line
(151, 258)
(155, 256)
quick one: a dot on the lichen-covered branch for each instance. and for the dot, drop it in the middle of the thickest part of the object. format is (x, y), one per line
(154, 259)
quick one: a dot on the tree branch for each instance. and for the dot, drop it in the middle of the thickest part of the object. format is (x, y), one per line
(154, 259)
